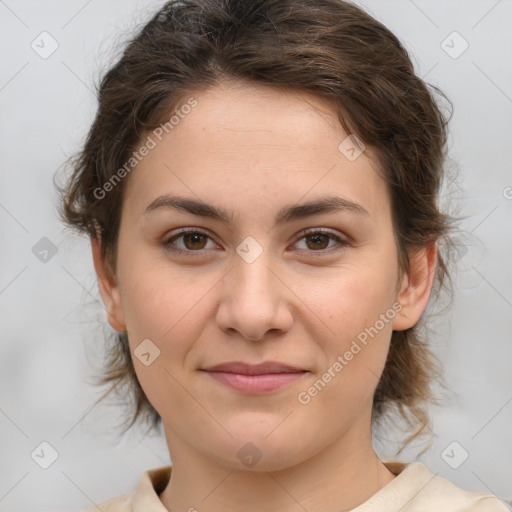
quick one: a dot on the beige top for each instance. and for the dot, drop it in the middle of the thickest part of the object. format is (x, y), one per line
(415, 489)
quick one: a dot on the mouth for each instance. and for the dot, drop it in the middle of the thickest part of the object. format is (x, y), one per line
(255, 378)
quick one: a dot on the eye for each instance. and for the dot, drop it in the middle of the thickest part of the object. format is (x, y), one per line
(319, 240)
(195, 241)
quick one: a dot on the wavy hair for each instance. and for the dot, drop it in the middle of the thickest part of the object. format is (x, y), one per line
(330, 48)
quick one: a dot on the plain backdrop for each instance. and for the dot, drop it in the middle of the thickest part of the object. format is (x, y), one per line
(48, 308)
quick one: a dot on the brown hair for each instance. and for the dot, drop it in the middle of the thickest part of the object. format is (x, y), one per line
(330, 48)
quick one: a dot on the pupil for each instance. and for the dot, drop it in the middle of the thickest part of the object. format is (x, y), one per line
(195, 237)
(317, 238)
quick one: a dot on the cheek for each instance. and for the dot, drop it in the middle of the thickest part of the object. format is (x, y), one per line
(168, 310)
(354, 299)
(357, 308)
(354, 357)
(157, 296)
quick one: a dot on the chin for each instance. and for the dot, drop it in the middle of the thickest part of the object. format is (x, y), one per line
(258, 451)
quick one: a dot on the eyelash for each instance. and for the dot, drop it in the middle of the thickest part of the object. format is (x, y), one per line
(167, 243)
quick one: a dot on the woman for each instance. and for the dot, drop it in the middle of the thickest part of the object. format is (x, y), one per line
(260, 188)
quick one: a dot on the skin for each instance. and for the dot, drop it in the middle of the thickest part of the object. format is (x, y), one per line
(252, 149)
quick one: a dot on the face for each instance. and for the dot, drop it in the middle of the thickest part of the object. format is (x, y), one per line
(314, 290)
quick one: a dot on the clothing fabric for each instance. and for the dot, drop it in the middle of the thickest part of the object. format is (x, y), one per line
(414, 489)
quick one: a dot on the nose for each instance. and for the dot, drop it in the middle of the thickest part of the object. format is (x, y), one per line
(256, 300)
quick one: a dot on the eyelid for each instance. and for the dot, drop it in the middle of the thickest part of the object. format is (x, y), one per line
(184, 231)
(341, 240)
(326, 231)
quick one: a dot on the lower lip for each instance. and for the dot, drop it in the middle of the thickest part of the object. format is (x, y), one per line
(256, 384)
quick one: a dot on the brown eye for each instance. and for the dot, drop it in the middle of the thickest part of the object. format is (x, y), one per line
(318, 241)
(193, 240)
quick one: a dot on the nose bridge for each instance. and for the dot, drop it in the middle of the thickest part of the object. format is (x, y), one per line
(252, 273)
(254, 303)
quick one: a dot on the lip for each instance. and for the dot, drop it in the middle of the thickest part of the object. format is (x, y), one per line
(255, 378)
(243, 368)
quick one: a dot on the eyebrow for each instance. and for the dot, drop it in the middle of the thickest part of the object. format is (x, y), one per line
(328, 204)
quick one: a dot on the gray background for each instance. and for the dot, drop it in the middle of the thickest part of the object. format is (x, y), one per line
(49, 318)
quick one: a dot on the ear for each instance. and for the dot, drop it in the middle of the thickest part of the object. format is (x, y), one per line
(108, 288)
(416, 287)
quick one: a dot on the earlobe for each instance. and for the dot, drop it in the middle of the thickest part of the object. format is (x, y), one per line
(108, 288)
(416, 287)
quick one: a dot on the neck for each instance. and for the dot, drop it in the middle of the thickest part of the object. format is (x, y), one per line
(343, 475)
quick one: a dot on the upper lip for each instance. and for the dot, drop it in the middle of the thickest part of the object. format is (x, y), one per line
(253, 369)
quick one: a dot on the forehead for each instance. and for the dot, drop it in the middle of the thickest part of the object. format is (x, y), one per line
(240, 107)
(252, 139)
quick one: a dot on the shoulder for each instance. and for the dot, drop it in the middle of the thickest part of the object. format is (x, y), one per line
(143, 498)
(490, 503)
(455, 499)
(122, 503)
(434, 492)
